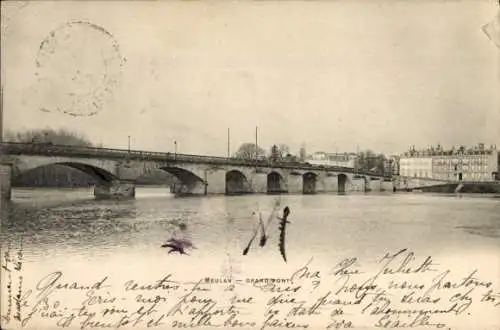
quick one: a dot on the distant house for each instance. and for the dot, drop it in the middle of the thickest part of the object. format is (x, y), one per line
(333, 159)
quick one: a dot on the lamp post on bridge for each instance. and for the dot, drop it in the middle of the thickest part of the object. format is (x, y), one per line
(129, 144)
(256, 146)
(1, 114)
(228, 143)
(175, 149)
(1, 124)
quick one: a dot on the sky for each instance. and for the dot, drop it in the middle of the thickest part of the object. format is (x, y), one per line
(330, 76)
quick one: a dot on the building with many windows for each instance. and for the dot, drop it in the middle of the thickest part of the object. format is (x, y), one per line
(457, 164)
(333, 159)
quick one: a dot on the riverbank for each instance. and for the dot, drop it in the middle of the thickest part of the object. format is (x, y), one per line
(459, 187)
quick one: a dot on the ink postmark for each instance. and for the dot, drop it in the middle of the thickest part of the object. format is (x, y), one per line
(78, 66)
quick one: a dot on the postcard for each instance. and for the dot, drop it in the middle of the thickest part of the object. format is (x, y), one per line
(250, 165)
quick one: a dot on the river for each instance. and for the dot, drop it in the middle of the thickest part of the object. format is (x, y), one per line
(69, 231)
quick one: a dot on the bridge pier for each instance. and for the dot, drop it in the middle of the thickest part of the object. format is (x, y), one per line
(259, 183)
(115, 190)
(375, 185)
(386, 186)
(358, 184)
(295, 184)
(215, 182)
(330, 184)
(5, 181)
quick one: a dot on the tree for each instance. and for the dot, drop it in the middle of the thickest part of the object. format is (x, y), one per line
(283, 150)
(48, 135)
(381, 164)
(302, 154)
(279, 152)
(248, 151)
(275, 154)
(56, 175)
(369, 162)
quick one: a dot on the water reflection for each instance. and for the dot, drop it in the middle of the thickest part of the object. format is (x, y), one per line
(321, 224)
(69, 226)
(122, 240)
(492, 231)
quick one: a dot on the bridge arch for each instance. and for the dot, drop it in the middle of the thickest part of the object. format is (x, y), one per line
(237, 183)
(309, 183)
(276, 183)
(100, 175)
(188, 183)
(342, 180)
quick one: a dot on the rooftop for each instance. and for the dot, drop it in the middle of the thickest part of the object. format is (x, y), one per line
(479, 149)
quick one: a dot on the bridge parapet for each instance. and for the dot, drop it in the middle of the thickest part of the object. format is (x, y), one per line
(116, 170)
(49, 150)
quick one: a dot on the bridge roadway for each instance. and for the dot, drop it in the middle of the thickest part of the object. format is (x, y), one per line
(115, 171)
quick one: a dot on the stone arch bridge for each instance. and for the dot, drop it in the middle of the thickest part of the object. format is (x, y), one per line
(115, 172)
